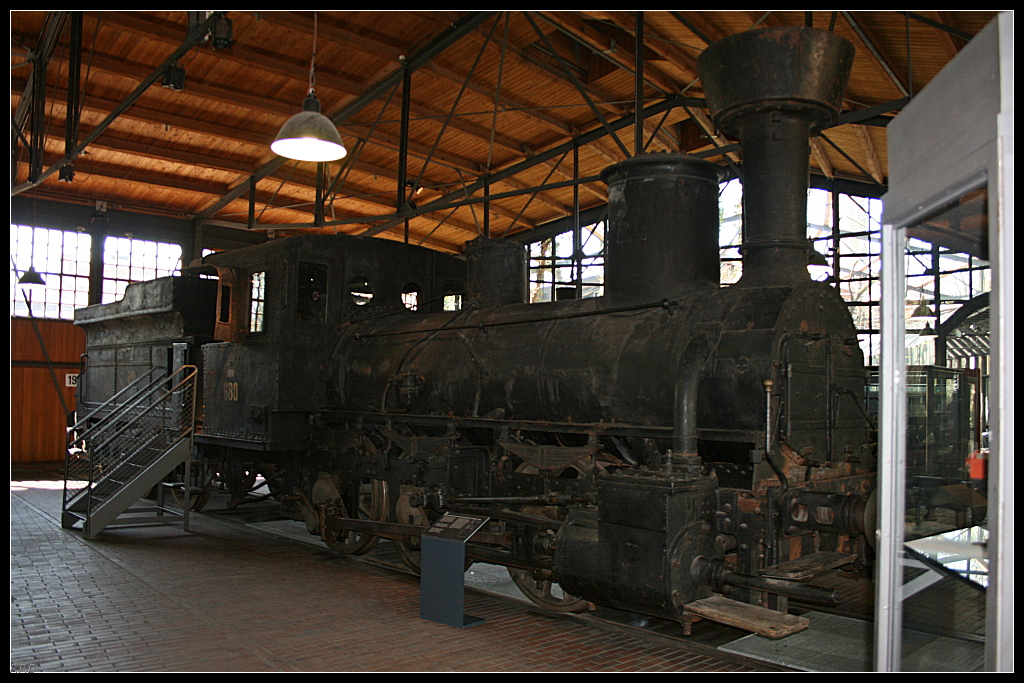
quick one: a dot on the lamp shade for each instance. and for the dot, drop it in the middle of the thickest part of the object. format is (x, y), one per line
(309, 135)
(31, 278)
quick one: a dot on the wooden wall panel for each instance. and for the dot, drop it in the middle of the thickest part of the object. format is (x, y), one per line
(38, 423)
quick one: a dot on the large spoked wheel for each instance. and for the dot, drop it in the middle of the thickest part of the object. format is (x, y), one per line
(406, 513)
(367, 501)
(545, 593)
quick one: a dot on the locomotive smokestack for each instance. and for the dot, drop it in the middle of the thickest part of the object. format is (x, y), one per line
(772, 89)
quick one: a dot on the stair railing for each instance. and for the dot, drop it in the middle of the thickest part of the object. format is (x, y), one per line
(106, 455)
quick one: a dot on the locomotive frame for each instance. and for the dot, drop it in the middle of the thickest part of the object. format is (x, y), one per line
(651, 450)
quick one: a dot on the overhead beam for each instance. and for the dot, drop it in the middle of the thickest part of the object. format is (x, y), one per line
(871, 156)
(125, 104)
(546, 155)
(624, 59)
(818, 152)
(876, 52)
(664, 47)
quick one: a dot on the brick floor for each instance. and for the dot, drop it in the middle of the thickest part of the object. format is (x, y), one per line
(228, 598)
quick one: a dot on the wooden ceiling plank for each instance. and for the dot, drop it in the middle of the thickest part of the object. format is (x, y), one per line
(701, 27)
(868, 147)
(870, 44)
(136, 148)
(125, 104)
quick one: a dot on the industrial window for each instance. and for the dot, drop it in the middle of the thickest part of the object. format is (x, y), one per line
(360, 290)
(62, 259)
(939, 282)
(569, 265)
(127, 260)
(730, 231)
(257, 299)
(411, 296)
(452, 302)
(845, 230)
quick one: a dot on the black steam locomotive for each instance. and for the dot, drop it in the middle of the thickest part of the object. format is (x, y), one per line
(650, 450)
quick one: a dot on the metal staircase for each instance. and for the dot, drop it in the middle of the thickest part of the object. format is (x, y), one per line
(127, 446)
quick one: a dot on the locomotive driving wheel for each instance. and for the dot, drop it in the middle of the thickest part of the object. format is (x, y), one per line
(407, 512)
(366, 500)
(546, 593)
(197, 497)
(198, 484)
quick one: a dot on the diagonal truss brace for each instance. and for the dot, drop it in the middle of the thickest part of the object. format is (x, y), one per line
(190, 42)
(457, 31)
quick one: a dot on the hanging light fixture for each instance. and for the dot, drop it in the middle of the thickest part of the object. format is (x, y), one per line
(309, 135)
(923, 310)
(31, 277)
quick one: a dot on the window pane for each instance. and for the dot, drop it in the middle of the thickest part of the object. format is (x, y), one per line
(132, 260)
(58, 257)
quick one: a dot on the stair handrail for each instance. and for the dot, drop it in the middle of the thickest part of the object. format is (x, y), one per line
(113, 399)
(148, 392)
(109, 402)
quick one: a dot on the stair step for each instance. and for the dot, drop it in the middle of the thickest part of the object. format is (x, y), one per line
(760, 620)
(809, 565)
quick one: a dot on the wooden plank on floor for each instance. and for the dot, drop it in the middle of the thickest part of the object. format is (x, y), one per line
(765, 622)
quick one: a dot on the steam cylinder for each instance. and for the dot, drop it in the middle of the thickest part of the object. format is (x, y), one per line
(496, 272)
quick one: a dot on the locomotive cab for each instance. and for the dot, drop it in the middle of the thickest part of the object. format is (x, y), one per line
(279, 308)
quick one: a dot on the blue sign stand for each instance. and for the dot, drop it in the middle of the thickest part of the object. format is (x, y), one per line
(443, 570)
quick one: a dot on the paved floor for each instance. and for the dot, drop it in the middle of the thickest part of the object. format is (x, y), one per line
(230, 598)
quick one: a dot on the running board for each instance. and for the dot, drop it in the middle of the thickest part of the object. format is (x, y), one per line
(809, 566)
(762, 621)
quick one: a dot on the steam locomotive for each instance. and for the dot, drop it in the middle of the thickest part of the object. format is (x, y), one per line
(654, 449)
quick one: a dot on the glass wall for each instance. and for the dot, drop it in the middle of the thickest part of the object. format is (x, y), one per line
(935, 504)
(127, 260)
(63, 260)
(569, 265)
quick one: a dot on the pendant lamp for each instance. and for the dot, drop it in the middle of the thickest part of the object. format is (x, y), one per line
(31, 277)
(309, 135)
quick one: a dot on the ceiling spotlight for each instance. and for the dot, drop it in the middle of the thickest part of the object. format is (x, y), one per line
(309, 135)
(174, 76)
(222, 32)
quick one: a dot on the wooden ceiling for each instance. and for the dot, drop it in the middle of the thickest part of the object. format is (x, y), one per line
(496, 100)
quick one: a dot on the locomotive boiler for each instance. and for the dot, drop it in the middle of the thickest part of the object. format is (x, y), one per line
(656, 449)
